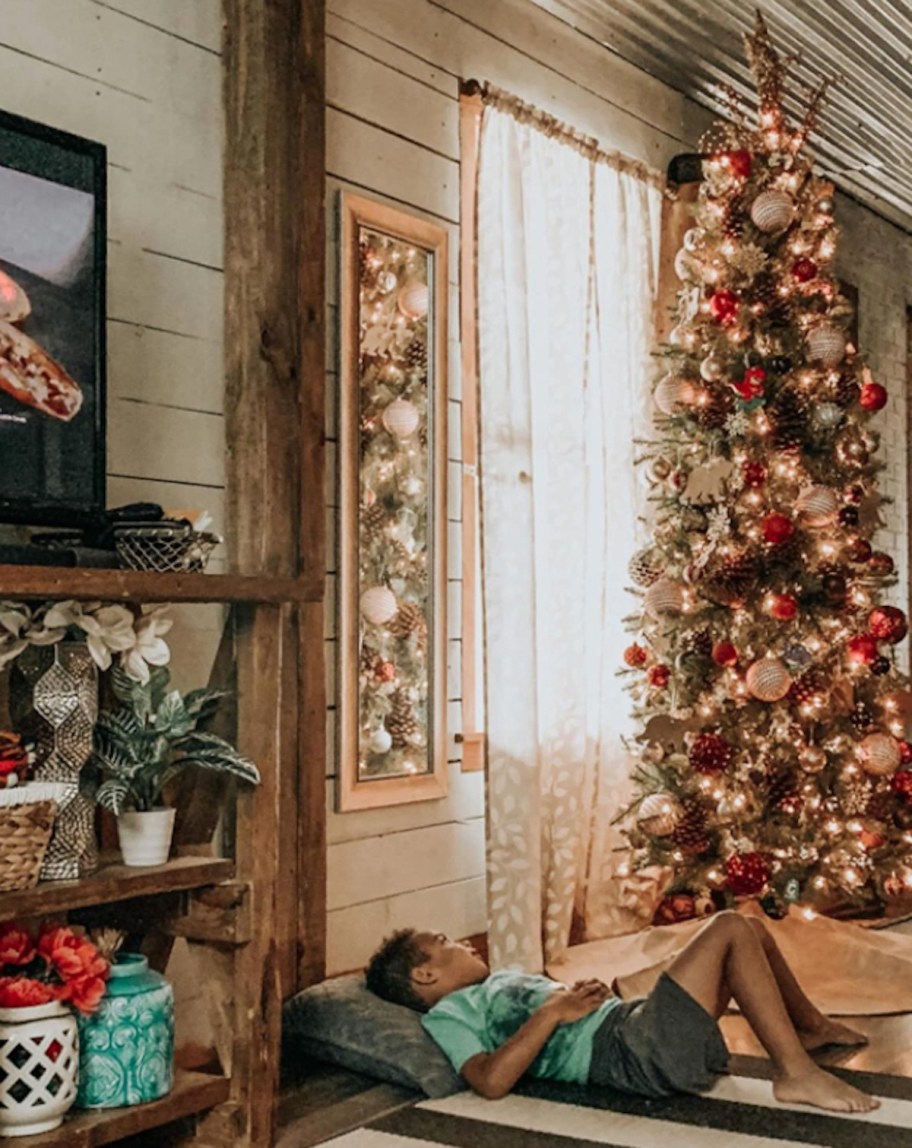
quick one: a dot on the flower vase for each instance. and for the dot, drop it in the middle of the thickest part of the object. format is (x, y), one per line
(54, 700)
(128, 1044)
(39, 1065)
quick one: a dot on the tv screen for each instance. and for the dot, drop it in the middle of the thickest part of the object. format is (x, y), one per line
(52, 316)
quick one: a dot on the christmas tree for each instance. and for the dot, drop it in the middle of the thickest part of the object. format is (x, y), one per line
(772, 759)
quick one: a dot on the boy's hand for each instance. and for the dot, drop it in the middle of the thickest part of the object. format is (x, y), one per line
(568, 1005)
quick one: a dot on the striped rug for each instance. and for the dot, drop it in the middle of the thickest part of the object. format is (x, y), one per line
(740, 1112)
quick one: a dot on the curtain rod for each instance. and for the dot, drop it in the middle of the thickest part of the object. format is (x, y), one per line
(554, 128)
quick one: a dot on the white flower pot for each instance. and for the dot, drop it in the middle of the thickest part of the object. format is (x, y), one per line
(39, 1066)
(145, 838)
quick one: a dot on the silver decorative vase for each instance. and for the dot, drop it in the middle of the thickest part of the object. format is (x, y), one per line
(54, 701)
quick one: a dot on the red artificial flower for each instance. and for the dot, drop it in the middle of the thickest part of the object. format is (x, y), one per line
(723, 306)
(658, 676)
(24, 992)
(752, 385)
(739, 163)
(83, 993)
(16, 945)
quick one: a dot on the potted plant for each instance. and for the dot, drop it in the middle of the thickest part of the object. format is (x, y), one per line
(143, 744)
(42, 978)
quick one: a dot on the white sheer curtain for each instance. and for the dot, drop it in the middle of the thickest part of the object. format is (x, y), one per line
(567, 256)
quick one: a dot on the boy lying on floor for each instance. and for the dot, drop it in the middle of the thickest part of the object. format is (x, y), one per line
(494, 1027)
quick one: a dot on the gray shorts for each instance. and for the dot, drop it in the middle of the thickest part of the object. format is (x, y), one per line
(663, 1044)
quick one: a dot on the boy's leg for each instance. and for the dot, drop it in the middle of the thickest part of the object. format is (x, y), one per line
(728, 959)
(814, 1028)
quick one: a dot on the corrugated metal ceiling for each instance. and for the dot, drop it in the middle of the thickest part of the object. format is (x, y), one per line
(864, 141)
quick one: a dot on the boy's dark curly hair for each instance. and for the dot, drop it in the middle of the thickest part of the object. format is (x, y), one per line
(389, 971)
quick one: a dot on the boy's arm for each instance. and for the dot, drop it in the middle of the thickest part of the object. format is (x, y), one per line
(493, 1074)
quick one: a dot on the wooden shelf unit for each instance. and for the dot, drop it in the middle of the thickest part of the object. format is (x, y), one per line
(63, 582)
(193, 1092)
(115, 882)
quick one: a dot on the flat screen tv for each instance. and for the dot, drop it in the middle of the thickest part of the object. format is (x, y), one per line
(52, 322)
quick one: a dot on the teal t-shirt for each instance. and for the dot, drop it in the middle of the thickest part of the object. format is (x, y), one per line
(483, 1017)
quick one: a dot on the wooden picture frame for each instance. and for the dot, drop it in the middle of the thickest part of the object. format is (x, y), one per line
(391, 662)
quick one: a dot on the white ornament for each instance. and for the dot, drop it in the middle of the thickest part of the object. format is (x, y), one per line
(658, 814)
(827, 344)
(674, 394)
(879, 754)
(712, 368)
(378, 605)
(694, 238)
(401, 418)
(386, 282)
(768, 679)
(645, 567)
(772, 211)
(413, 300)
(380, 740)
(818, 506)
(828, 415)
(686, 266)
(664, 597)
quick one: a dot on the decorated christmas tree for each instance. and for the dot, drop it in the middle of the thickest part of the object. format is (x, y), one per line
(772, 758)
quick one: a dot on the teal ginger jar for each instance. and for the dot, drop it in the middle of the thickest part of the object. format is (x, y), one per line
(127, 1046)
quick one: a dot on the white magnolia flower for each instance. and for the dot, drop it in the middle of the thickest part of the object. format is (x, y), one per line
(108, 629)
(149, 649)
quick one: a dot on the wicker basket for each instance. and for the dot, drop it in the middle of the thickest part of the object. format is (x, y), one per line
(164, 547)
(27, 817)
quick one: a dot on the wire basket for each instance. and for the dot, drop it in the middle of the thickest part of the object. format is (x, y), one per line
(164, 547)
(27, 815)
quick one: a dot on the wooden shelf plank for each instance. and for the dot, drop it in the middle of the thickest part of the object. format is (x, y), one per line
(192, 1092)
(144, 585)
(115, 882)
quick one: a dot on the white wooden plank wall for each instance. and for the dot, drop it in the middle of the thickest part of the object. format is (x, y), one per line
(144, 78)
(392, 118)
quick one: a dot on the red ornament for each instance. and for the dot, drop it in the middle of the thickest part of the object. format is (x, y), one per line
(905, 751)
(384, 671)
(804, 270)
(711, 753)
(888, 624)
(873, 396)
(754, 473)
(659, 676)
(777, 528)
(901, 784)
(636, 655)
(859, 550)
(674, 908)
(739, 163)
(862, 649)
(746, 873)
(854, 494)
(752, 385)
(725, 654)
(880, 564)
(723, 307)
(783, 607)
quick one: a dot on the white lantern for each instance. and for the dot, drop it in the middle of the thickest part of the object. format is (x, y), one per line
(772, 210)
(818, 506)
(379, 605)
(768, 679)
(827, 344)
(658, 814)
(645, 567)
(880, 754)
(412, 300)
(664, 597)
(401, 418)
(674, 394)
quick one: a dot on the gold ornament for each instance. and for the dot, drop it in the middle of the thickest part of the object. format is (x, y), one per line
(772, 211)
(818, 506)
(658, 814)
(768, 679)
(664, 597)
(879, 754)
(812, 759)
(645, 567)
(826, 344)
(674, 394)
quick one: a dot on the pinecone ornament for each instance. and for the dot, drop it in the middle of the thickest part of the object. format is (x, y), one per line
(410, 618)
(732, 579)
(698, 643)
(690, 834)
(789, 416)
(367, 658)
(713, 414)
(844, 391)
(416, 358)
(373, 519)
(782, 790)
(400, 723)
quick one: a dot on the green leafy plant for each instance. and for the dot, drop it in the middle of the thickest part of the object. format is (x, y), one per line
(152, 736)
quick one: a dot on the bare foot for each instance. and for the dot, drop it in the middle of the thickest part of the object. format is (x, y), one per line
(821, 1090)
(831, 1032)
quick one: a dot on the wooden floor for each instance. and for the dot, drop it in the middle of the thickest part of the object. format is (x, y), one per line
(320, 1102)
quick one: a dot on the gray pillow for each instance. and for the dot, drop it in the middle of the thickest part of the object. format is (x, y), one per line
(343, 1022)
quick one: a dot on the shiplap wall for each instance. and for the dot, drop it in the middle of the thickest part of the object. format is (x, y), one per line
(393, 69)
(144, 78)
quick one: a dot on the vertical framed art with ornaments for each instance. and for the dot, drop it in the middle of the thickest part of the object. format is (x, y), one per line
(392, 482)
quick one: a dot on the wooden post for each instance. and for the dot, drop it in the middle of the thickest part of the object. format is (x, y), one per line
(274, 359)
